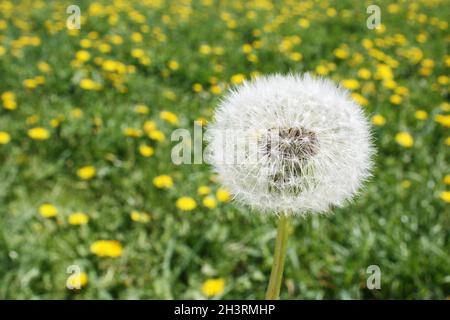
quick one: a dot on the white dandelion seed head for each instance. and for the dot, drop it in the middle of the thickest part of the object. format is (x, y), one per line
(290, 144)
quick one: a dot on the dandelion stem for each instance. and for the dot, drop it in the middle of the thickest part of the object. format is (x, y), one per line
(276, 276)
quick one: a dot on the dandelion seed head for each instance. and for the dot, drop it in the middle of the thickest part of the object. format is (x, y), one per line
(290, 144)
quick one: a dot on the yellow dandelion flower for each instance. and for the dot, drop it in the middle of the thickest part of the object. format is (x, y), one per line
(78, 218)
(136, 37)
(5, 138)
(85, 43)
(32, 119)
(10, 104)
(404, 139)
(157, 135)
(223, 195)
(163, 181)
(48, 211)
(201, 121)
(146, 150)
(442, 119)
(213, 287)
(445, 195)
(210, 202)
(132, 132)
(86, 173)
(82, 56)
(331, 12)
(30, 83)
(421, 115)
(389, 84)
(401, 90)
(296, 56)
(107, 248)
(39, 80)
(77, 281)
(237, 78)
(173, 65)
(215, 89)
(141, 109)
(341, 53)
(378, 120)
(350, 84)
(205, 49)
(443, 80)
(76, 113)
(364, 73)
(38, 134)
(406, 184)
(445, 106)
(197, 87)
(395, 99)
(360, 99)
(186, 204)
(169, 117)
(116, 39)
(137, 53)
(427, 63)
(247, 48)
(303, 23)
(203, 190)
(322, 70)
(383, 72)
(149, 126)
(139, 216)
(44, 67)
(104, 48)
(55, 122)
(447, 179)
(89, 84)
(109, 65)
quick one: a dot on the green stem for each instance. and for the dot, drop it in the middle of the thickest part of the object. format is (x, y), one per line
(276, 276)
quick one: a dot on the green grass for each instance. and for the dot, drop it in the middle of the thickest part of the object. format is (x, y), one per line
(403, 230)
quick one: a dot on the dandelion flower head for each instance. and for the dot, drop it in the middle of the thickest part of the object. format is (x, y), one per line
(290, 144)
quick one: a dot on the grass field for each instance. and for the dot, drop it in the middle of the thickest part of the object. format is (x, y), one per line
(85, 151)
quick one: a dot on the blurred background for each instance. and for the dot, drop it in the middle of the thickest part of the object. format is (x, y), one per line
(92, 207)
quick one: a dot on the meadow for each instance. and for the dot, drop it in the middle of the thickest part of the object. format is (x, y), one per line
(87, 180)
